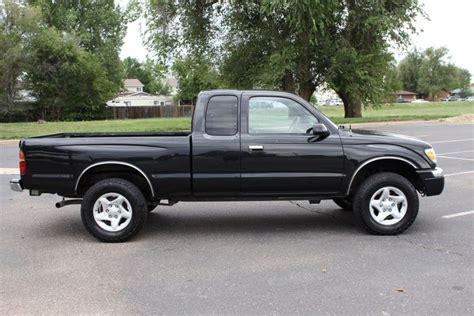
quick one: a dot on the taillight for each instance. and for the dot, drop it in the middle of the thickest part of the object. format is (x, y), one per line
(22, 163)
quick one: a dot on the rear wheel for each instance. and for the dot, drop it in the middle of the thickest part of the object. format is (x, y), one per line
(344, 203)
(113, 210)
(386, 204)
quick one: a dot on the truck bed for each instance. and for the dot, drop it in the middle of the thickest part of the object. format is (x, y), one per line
(55, 162)
(114, 134)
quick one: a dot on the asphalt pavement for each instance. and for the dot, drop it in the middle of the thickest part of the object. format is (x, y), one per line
(247, 257)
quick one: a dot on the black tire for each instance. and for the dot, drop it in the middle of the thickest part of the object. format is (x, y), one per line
(131, 193)
(344, 203)
(369, 187)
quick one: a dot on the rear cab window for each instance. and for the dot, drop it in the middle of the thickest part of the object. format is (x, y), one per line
(222, 116)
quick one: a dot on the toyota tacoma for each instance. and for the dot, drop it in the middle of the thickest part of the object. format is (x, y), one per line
(244, 146)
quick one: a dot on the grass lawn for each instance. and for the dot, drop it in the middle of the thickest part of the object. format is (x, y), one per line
(395, 112)
(402, 112)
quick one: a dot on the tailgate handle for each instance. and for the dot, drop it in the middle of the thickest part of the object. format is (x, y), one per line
(256, 148)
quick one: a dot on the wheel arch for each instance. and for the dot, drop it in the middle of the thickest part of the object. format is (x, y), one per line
(109, 167)
(399, 165)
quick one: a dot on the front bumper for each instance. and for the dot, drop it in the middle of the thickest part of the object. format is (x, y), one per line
(15, 185)
(432, 180)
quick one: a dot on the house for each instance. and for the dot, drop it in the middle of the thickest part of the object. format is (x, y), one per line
(133, 85)
(173, 83)
(404, 95)
(133, 95)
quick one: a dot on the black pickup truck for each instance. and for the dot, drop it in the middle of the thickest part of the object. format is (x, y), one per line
(244, 146)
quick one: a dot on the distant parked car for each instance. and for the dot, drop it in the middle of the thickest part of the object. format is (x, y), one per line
(471, 98)
(420, 101)
(453, 98)
(333, 101)
(400, 100)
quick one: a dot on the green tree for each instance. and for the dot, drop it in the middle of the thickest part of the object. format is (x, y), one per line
(194, 75)
(362, 49)
(457, 78)
(293, 45)
(68, 82)
(136, 70)
(430, 71)
(149, 73)
(276, 45)
(179, 28)
(392, 82)
(432, 76)
(436, 73)
(18, 24)
(99, 25)
(409, 70)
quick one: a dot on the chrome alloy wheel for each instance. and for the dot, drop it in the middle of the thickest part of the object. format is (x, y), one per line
(388, 205)
(112, 212)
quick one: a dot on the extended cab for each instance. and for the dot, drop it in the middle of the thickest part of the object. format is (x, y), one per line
(244, 145)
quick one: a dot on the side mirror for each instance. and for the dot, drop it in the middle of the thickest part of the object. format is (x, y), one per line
(320, 130)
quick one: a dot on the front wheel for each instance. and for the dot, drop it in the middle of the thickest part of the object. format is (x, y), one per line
(113, 210)
(386, 204)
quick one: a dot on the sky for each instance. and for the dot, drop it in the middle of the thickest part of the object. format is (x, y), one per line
(450, 24)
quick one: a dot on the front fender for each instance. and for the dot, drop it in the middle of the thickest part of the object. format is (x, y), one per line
(358, 156)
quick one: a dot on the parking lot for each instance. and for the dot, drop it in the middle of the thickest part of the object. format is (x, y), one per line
(247, 257)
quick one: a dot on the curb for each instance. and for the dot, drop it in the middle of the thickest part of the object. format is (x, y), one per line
(9, 141)
(437, 121)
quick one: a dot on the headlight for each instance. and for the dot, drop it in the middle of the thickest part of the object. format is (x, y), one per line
(430, 153)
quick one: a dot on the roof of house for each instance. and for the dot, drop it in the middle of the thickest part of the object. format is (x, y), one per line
(132, 83)
(405, 92)
(172, 81)
(140, 95)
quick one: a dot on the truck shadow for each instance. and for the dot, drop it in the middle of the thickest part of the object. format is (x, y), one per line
(172, 224)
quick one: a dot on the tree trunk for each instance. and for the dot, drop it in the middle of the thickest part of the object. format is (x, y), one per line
(288, 83)
(352, 108)
(306, 90)
(306, 93)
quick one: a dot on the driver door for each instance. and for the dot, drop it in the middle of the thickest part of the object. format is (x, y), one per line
(279, 157)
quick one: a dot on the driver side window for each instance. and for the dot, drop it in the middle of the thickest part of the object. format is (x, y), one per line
(275, 115)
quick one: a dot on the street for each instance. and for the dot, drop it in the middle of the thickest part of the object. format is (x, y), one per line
(247, 257)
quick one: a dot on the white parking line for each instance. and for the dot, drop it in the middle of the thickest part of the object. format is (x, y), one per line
(458, 214)
(9, 171)
(447, 157)
(451, 141)
(458, 173)
(457, 152)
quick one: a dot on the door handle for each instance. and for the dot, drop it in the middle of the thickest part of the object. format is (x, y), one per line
(256, 148)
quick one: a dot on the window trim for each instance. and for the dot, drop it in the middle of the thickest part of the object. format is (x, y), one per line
(238, 114)
(278, 97)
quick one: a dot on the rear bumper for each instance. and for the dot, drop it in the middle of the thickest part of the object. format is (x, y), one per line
(433, 181)
(15, 185)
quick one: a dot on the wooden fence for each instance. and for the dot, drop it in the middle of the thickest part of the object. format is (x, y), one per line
(134, 112)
